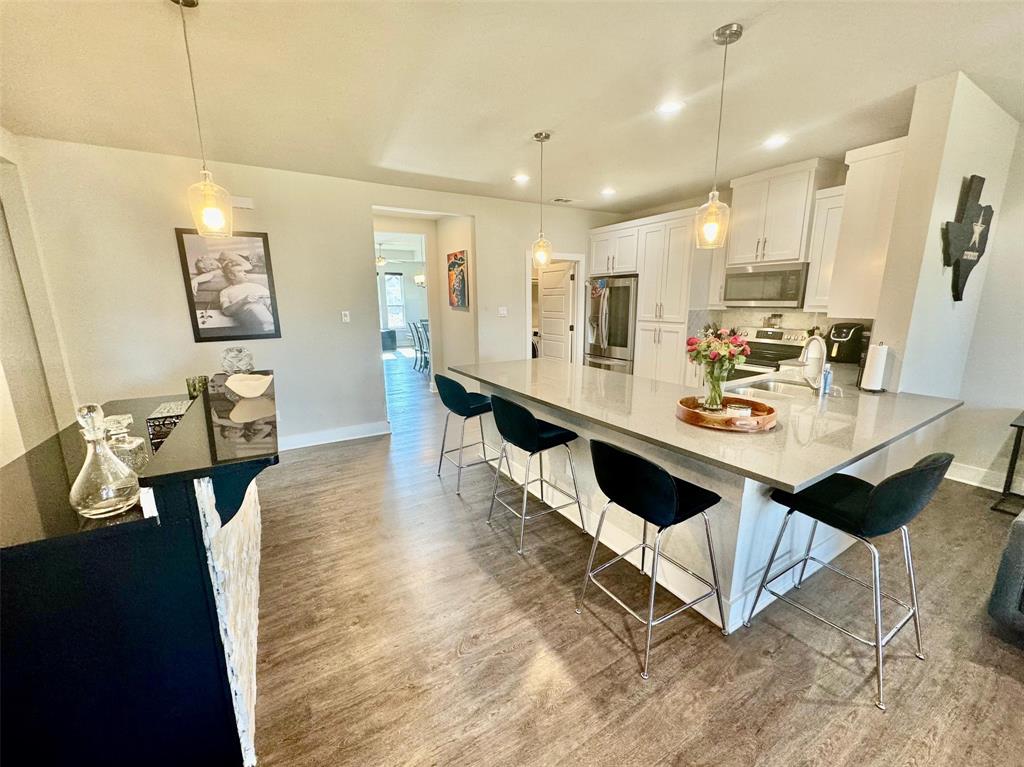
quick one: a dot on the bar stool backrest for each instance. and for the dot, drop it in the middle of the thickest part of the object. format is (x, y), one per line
(453, 394)
(899, 498)
(634, 483)
(516, 424)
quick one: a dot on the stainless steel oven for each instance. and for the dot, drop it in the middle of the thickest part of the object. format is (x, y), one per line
(611, 323)
(765, 285)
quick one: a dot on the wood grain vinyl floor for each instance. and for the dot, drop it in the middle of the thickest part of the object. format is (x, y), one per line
(397, 628)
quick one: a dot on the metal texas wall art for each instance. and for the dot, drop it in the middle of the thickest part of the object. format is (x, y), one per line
(964, 240)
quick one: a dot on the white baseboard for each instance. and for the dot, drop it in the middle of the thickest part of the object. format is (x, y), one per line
(979, 477)
(340, 434)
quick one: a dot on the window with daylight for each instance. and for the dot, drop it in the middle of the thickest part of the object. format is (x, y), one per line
(394, 299)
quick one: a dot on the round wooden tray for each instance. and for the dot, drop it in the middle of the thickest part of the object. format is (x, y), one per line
(761, 418)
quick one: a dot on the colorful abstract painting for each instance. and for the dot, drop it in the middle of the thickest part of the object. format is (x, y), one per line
(458, 280)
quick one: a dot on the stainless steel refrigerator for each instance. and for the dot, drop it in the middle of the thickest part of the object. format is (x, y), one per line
(611, 323)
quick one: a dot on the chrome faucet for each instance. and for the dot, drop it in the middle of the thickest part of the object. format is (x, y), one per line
(818, 360)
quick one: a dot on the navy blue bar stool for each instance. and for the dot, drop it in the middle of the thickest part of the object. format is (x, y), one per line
(651, 493)
(519, 427)
(466, 405)
(863, 511)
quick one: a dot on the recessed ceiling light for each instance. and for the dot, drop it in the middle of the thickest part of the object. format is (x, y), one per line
(774, 142)
(669, 108)
(520, 178)
(607, 192)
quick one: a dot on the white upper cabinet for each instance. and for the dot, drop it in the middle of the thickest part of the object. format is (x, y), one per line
(872, 184)
(675, 283)
(770, 214)
(614, 252)
(828, 215)
(650, 265)
(625, 254)
(746, 223)
(785, 217)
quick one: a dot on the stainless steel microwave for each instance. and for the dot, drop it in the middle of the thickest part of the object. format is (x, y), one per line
(765, 285)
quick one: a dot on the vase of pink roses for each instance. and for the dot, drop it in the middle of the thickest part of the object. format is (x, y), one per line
(719, 351)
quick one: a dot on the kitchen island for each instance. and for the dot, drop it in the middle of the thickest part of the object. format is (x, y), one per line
(868, 435)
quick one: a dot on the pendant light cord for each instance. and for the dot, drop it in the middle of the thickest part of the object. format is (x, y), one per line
(192, 82)
(541, 188)
(721, 106)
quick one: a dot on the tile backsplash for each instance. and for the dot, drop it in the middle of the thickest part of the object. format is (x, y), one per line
(790, 319)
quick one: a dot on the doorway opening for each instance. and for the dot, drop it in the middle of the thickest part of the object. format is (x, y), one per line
(401, 267)
(555, 300)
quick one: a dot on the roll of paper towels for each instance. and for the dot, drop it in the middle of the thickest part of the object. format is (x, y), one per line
(874, 368)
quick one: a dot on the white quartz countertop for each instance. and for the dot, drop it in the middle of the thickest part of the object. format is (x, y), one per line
(814, 436)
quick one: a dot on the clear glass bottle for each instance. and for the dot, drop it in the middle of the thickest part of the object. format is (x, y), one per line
(105, 486)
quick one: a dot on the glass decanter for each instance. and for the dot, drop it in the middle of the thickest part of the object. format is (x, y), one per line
(105, 486)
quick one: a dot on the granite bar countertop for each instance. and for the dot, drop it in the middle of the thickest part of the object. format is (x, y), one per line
(814, 436)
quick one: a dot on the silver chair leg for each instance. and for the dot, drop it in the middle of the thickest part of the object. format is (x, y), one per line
(541, 475)
(714, 571)
(876, 588)
(650, 603)
(497, 474)
(576, 488)
(526, 495)
(643, 549)
(807, 553)
(909, 559)
(590, 562)
(462, 441)
(483, 442)
(444, 436)
(768, 567)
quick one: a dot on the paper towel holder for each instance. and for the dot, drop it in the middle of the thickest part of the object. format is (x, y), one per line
(878, 375)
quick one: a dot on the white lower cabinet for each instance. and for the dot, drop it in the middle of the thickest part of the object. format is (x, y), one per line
(660, 351)
(693, 375)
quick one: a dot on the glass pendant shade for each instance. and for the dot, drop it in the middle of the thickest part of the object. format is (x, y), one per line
(712, 223)
(211, 207)
(541, 251)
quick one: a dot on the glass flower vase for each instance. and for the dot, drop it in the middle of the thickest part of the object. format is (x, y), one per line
(105, 486)
(713, 380)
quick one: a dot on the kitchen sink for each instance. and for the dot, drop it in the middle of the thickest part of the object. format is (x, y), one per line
(787, 388)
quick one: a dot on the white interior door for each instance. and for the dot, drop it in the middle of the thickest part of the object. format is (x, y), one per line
(556, 315)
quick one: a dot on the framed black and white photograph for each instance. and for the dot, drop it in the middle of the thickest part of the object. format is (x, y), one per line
(229, 284)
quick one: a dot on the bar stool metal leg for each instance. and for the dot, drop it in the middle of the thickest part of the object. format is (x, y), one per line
(462, 442)
(714, 570)
(909, 559)
(541, 474)
(807, 554)
(444, 436)
(526, 495)
(643, 550)
(650, 602)
(876, 590)
(593, 552)
(497, 474)
(575, 489)
(767, 569)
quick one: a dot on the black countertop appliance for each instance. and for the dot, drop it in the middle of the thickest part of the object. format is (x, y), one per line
(844, 342)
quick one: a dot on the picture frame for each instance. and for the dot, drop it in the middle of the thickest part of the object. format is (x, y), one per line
(229, 286)
(458, 280)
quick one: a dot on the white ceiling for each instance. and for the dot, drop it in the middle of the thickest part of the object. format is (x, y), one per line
(446, 96)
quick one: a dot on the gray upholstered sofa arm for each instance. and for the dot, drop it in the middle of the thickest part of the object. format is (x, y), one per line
(1006, 604)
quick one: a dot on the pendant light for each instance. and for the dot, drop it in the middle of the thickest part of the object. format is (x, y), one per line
(712, 223)
(381, 261)
(541, 247)
(209, 203)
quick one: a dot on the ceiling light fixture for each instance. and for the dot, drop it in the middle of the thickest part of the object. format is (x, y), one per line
(209, 203)
(712, 222)
(381, 261)
(520, 178)
(775, 141)
(541, 246)
(669, 108)
(608, 192)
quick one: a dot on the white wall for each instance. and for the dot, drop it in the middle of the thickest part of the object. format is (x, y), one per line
(459, 331)
(104, 219)
(993, 382)
(956, 130)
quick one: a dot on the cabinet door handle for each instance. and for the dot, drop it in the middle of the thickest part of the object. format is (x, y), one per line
(757, 249)
(764, 248)
(613, 263)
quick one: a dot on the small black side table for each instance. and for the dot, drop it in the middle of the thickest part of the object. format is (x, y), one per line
(1018, 425)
